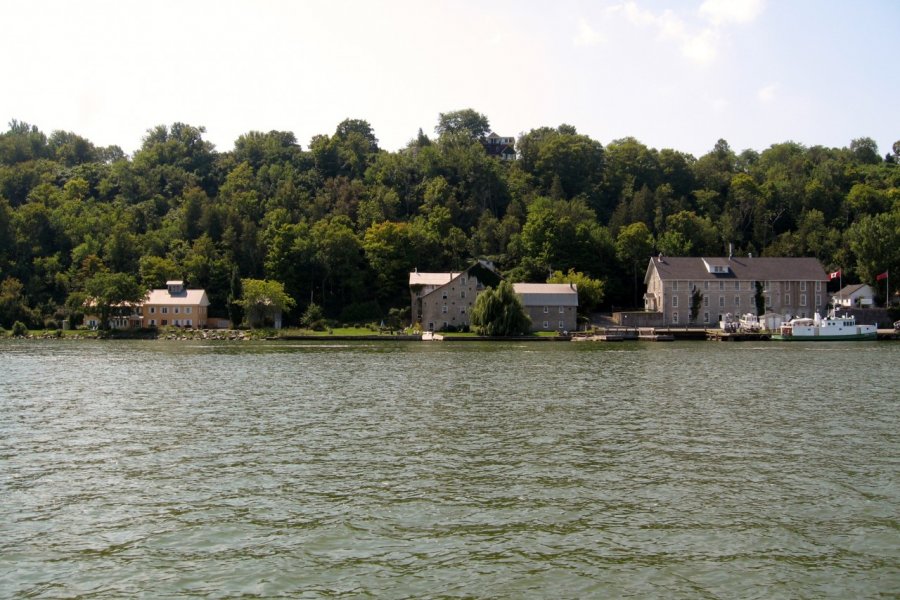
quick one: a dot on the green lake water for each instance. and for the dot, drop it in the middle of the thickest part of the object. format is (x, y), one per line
(478, 470)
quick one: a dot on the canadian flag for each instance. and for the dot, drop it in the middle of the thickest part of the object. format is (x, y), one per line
(881, 276)
(835, 274)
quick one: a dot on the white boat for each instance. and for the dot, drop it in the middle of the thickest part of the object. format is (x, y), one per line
(829, 329)
(750, 323)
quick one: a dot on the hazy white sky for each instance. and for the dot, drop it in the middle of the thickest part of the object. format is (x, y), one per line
(678, 74)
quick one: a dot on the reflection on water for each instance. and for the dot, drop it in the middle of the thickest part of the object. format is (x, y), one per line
(455, 469)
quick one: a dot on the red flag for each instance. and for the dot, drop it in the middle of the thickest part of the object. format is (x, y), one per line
(835, 274)
(882, 276)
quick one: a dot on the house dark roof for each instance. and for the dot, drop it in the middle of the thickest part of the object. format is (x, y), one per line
(694, 268)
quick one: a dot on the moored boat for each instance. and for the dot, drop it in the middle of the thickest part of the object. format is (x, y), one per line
(829, 329)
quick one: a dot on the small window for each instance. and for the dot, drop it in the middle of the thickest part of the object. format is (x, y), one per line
(462, 294)
(546, 324)
(152, 310)
(462, 310)
(818, 286)
(737, 300)
(675, 317)
(674, 286)
(562, 309)
(177, 310)
(562, 324)
(818, 300)
(164, 310)
(444, 309)
(802, 286)
(444, 295)
(787, 299)
(546, 309)
(705, 301)
(705, 285)
(721, 301)
(188, 322)
(187, 310)
(721, 286)
(737, 285)
(152, 322)
(165, 322)
(706, 317)
(674, 301)
(802, 299)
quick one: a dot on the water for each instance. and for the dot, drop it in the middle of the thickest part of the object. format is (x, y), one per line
(694, 470)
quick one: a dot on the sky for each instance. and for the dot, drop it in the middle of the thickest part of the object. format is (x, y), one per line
(679, 74)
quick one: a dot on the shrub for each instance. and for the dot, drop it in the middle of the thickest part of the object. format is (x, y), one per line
(19, 329)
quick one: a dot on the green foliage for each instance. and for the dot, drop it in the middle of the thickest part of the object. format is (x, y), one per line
(263, 300)
(314, 318)
(590, 291)
(499, 312)
(19, 329)
(696, 303)
(342, 222)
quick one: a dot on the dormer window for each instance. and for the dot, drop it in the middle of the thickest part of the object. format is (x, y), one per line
(175, 287)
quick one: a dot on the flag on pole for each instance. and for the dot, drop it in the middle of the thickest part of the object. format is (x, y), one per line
(881, 276)
(835, 274)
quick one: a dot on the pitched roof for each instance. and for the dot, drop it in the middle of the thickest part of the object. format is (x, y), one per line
(416, 278)
(185, 298)
(759, 268)
(542, 294)
(848, 290)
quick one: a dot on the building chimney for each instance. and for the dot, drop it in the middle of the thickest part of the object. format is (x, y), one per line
(730, 250)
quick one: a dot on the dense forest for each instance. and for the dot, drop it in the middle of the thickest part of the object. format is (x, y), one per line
(342, 222)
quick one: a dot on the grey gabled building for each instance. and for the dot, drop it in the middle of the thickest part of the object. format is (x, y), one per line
(789, 286)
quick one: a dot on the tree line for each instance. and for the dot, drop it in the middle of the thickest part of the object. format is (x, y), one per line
(340, 223)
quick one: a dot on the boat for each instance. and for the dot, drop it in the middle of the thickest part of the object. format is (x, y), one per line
(830, 329)
(749, 323)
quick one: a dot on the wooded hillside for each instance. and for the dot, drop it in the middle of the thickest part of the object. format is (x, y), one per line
(342, 222)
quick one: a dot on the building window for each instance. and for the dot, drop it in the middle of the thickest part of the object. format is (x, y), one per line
(818, 300)
(705, 301)
(818, 286)
(787, 286)
(737, 285)
(546, 324)
(187, 310)
(152, 310)
(462, 294)
(187, 322)
(546, 309)
(721, 286)
(177, 310)
(444, 295)
(462, 310)
(675, 317)
(444, 308)
(802, 299)
(802, 286)
(562, 324)
(152, 322)
(164, 310)
(737, 300)
(562, 309)
(165, 322)
(674, 286)
(462, 280)
(705, 285)
(787, 299)
(721, 301)
(674, 301)
(706, 317)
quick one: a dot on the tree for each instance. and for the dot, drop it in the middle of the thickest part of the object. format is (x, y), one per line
(590, 291)
(634, 245)
(264, 301)
(113, 293)
(464, 123)
(696, 303)
(499, 312)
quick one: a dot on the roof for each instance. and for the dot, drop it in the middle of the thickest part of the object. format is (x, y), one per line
(849, 290)
(416, 278)
(543, 294)
(185, 298)
(758, 268)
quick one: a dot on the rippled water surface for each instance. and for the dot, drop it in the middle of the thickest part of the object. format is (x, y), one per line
(696, 470)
